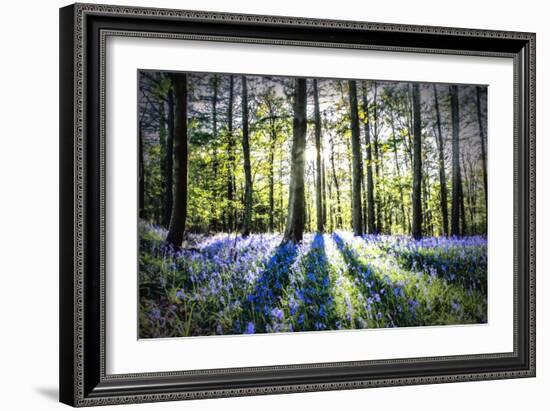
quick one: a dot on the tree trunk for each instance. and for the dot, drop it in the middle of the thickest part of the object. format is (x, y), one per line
(271, 176)
(160, 210)
(169, 161)
(357, 211)
(179, 209)
(455, 201)
(370, 184)
(318, 176)
(441, 164)
(468, 177)
(215, 162)
(482, 141)
(417, 166)
(247, 220)
(463, 225)
(330, 207)
(338, 222)
(364, 199)
(377, 161)
(349, 175)
(230, 159)
(296, 203)
(280, 221)
(141, 175)
(323, 190)
(405, 224)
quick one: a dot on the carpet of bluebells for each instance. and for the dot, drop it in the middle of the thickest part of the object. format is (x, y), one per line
(225, 284)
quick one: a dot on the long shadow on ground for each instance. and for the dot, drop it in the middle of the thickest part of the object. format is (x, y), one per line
(270, 285)
(310, 301)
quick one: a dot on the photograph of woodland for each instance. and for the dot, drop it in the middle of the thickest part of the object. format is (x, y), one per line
(280, 204)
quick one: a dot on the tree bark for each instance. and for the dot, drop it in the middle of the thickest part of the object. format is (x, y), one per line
(296, 204)
(318, 176)
(141, 175)
(230, 159)
(169, 161)
(377, 199)
(417, 165)
(370, 184)
(441, 164)
(405, 224)
(247, 220)
(179, 209)
(357, 212)
(215, 161)
(455, 201)
(482, 141)
(463, 223)
(338, 222)
(271, 176)
(324, 190)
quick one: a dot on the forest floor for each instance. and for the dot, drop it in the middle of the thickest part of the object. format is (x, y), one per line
(226, 284)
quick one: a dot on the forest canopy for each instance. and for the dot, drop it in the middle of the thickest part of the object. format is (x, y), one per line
(379, 157)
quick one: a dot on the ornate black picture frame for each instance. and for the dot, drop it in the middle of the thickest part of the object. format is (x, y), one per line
(83, 31)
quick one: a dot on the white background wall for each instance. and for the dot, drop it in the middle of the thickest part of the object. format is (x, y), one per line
(29, 204)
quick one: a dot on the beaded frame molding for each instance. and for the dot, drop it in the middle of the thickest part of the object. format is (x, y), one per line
(83, 32)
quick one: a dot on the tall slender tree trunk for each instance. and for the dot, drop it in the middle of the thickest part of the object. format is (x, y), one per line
(482, 141)
(338, 222)
(349, 176)
(160, 210)
(377, 161)
(247, 220)
(370, 184)
(271, 176)
(318, 176)
(357, 211)
(231, 159)
(296, 204)
(330, 207)
(455, 201)
(410, 123)
(441, 165)
(324, 189)
(463, 223)
(141, 174)
(405, 224)
(308, 204)
(468, 177)
(215, 161)
(472, 189)
(281, 222)
(364, 199)
(417, 165)
(426, 218)
(169, 161)
(179, 209)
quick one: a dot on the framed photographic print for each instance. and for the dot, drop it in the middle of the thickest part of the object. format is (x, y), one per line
(262, 204)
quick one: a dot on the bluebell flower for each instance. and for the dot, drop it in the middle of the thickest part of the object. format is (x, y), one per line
(250, 328)
(154, 314)
(277, 314)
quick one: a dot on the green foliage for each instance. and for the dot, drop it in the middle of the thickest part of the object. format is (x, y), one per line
(216, 161)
